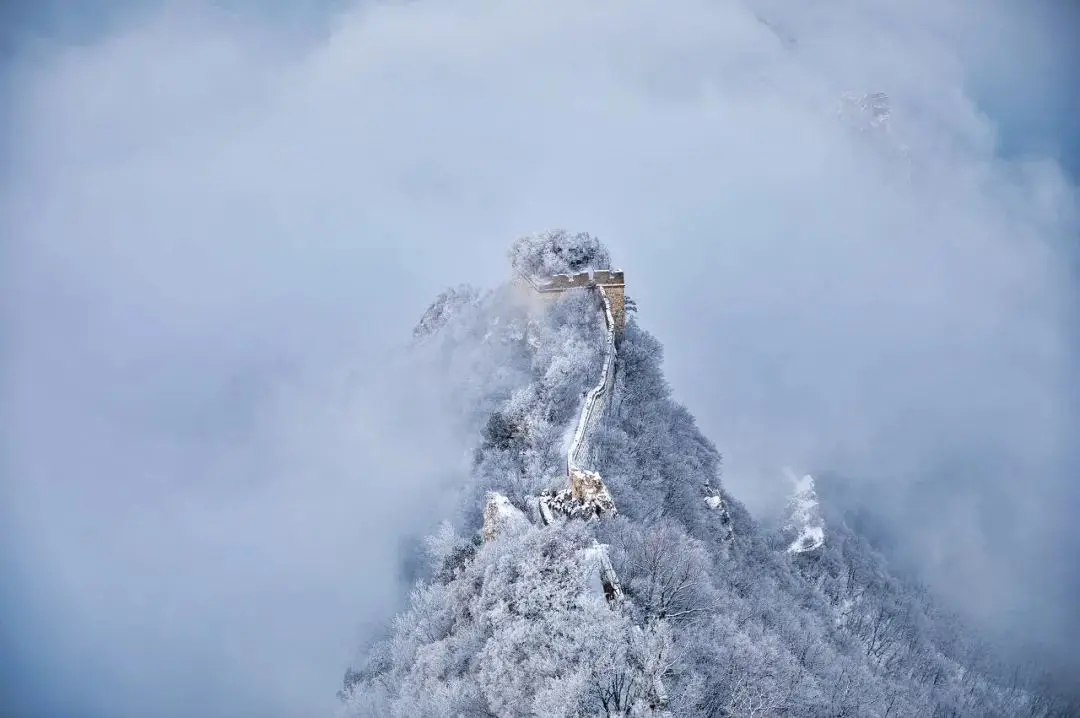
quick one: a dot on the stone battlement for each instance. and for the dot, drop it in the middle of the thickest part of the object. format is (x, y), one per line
(609, 277)
(612, 280)
(562, 282)
(566, 281)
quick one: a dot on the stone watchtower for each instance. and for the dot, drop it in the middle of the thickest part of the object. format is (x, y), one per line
(612, 280)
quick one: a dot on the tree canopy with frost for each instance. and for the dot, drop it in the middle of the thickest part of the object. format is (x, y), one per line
(558, 252)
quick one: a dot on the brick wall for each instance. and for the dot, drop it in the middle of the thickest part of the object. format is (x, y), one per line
(613, 281)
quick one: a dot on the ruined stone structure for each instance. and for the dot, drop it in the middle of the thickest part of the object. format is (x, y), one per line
(612, 280)
(587, 487)
(587, 497)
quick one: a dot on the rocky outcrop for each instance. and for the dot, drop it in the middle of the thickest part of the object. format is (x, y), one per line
(715, 501)
(499, 516)
(445, 306)
(805, 528)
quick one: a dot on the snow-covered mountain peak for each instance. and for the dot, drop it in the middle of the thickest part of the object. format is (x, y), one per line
(679, 603)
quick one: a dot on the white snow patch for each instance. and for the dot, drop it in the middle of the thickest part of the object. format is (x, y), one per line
(592, 563)
(600, 574)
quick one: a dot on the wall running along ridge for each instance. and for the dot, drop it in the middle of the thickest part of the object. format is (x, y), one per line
(596, 399)
(587, 495)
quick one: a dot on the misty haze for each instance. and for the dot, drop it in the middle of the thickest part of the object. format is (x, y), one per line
(701, 358)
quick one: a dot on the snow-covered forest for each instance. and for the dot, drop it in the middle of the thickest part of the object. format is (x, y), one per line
(722, 614)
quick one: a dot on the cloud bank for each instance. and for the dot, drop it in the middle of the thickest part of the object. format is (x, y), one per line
(220, 226)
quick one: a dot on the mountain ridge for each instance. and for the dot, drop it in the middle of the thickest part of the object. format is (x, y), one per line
(720, 615)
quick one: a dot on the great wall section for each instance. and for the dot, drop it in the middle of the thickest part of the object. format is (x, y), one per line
(586, 493)
(597, 399)
(586, 496)
(612, 283)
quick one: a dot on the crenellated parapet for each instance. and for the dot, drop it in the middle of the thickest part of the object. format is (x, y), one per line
(612, 280)
(609, 277)
(562, 282)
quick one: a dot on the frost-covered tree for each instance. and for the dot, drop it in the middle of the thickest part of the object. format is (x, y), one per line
(519, 630)
(665, 573)
(558, 252)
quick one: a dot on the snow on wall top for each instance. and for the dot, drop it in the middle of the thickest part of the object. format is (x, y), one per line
(587, 495)
(596, 399)
(563, 282)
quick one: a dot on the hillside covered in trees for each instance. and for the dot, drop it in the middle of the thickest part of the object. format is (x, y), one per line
(720, 615)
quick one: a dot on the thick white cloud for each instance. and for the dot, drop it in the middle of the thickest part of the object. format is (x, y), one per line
(210, 217)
